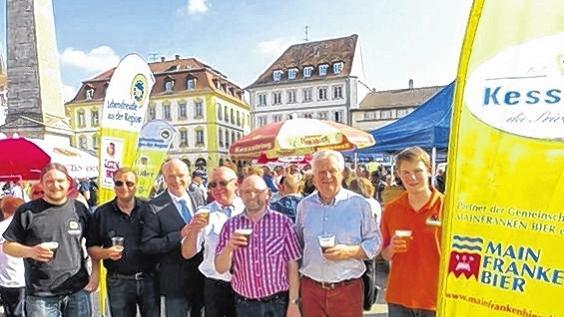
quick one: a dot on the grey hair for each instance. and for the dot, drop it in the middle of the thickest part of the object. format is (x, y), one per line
(329, 154)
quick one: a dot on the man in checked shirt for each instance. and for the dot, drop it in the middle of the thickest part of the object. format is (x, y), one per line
(264, 263)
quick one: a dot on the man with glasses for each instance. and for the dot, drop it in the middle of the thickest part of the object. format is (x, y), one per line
(218, 293)
(180, 281)
(262, 250)
(115, 237)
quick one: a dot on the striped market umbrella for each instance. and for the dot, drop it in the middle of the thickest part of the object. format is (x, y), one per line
(299, 136)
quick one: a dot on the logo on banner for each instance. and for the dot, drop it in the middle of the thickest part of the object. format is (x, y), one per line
(139, 89)
(521, 89)
(504, 266)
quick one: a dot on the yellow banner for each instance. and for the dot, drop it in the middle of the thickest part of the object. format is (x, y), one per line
(123, 115)
(504, 215)
(154, 142)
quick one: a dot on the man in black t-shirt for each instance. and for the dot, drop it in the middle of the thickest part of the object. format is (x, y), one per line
(47, 233)
(114, 236)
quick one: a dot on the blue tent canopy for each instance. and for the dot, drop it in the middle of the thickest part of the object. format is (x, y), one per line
(428, 127)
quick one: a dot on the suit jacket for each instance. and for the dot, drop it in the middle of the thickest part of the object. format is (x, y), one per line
(161, 236)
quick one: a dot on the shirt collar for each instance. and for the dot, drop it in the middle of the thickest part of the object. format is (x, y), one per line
(434, 199)
(116, 207)
(178, 199)
(342, 194)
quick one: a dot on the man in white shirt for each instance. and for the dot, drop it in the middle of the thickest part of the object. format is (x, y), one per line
(12, 279)
(218, 294)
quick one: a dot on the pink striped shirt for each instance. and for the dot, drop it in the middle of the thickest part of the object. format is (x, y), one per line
(260, 269)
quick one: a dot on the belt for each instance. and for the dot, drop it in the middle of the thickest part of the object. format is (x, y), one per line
(327, 285)
(136, 276)
(281, 295)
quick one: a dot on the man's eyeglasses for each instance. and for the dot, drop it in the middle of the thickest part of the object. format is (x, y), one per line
(121, 183)
(221, 183)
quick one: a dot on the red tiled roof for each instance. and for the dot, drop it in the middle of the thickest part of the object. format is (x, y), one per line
(178, 70)
(312, 54)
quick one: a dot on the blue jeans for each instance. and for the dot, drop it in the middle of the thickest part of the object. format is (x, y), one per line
(395, 310)
(275, 307)
(72, 305)
(125, 294)
(182, 307)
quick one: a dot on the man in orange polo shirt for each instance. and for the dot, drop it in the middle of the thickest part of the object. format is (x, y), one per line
(411, 238)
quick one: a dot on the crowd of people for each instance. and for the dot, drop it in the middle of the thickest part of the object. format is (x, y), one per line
(288, 241)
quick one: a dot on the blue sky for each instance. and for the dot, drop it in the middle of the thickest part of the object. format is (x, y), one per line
(400, 39)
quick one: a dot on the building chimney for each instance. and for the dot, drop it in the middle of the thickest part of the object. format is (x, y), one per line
(411, 84)
(162, 59)
(177, 56)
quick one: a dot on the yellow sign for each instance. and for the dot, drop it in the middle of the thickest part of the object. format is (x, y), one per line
(504, 215)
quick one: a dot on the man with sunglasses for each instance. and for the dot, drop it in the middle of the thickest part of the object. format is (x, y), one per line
(218, 294)
(180, 281)
(115, 237)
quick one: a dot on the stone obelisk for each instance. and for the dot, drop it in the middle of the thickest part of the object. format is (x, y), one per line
(35, 102)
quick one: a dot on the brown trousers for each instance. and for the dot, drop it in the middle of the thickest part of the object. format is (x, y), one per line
(345, 300)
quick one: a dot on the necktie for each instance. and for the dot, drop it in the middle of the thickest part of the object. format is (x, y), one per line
(185, 211)
(227, 210)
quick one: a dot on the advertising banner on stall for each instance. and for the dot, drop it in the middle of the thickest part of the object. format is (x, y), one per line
(123, 114)
(154, 142)
(504, 217)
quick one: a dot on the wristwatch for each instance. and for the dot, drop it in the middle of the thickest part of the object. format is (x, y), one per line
(295, 301)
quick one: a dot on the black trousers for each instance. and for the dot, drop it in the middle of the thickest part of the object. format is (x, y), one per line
(218, 298)
(13, 299)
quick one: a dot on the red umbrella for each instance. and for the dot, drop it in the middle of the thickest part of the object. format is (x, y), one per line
(20, 159)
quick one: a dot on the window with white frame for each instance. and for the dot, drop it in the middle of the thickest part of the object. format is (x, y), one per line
(152, 113)
(337, 67)
(338, 92)
(200, 137)
(198, 109)
(166, 112)
(182, 112)
(80, 119)
(307, 94)
(322, 93)
(276, 118)
(386, 114)
(261, 100)
(338, 116)
(89, 93)
(95, 141)
(277, 75)
(225, 114)
(323, 69)
(183, 137)
(219, 112)
(169, 84)
(402, 112)
(369, 115)
(238, 118)
(308, 115)
(232, 115)
(94, 117)
(233, 139)
(377, 114)
(292, 96)
(227, 138)
(308, 71)
(292, 73)
(276, 98)
(83, 142)
(322, 115)
(220, 135)
(191, 83)
(261, 121)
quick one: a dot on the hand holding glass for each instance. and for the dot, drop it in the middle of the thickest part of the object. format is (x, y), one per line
(117, 242)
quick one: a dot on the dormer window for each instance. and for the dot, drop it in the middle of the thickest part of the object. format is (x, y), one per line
(323, 69)
(191, 83)
(169, 84)
(277, 75)
(308, 71)
(337, 67)
(89, 93)
(292, 73)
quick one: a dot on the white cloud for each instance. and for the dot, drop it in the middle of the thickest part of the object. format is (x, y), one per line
(68, 92)
(197, 6)
(98, 59)
(274, 47)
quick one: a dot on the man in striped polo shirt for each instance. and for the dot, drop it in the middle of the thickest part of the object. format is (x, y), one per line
(261, 249)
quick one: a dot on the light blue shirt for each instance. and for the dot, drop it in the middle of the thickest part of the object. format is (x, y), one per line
(176, 201)
(350, 219)
(210, 236)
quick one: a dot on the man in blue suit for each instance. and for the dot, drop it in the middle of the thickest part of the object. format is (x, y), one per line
(181, 283)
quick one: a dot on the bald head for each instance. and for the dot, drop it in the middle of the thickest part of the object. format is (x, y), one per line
(176, 177)
(176, 163)
(255, 194)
